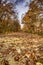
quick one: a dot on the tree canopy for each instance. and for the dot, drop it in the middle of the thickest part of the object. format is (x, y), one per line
(8, 18)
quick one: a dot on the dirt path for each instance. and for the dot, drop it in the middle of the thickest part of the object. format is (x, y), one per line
(21, 48)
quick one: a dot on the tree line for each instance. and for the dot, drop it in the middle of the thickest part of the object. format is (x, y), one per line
(33, 19)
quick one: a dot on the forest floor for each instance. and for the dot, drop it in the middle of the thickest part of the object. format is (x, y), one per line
(21, 49)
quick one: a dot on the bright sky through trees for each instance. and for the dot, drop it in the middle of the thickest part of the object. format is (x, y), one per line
(21, 8)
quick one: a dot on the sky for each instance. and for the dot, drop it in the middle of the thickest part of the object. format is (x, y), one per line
(21, 7)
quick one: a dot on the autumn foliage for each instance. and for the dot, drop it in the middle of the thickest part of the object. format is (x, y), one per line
(33, 19)
(8, 18)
